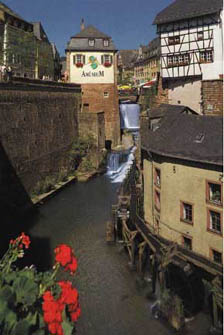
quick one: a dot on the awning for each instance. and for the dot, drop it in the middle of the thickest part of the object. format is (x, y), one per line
(149, 83)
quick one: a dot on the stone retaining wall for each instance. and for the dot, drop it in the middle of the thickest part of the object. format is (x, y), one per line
(38, 122)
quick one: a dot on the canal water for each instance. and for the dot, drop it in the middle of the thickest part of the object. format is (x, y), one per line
(112, 303)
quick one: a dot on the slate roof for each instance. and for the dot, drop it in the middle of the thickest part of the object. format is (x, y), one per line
(196, 138)
(79, 42)
(163, 109)
(91, 32)
(186, 9)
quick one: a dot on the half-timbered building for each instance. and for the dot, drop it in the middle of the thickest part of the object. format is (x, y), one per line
(191, 34)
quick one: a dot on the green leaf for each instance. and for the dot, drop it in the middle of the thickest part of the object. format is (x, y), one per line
(3, 310)
(32, 318)
(67, 327)
(26, 290)
(6, 294)
(10, 277)
(11, 319)
(21, 328)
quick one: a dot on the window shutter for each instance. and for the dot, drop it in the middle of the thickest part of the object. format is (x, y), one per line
(84, 59)
(111, 59)
(102, 59)
(74, 59)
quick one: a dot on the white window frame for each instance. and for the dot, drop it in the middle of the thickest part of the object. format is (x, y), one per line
(91, 42)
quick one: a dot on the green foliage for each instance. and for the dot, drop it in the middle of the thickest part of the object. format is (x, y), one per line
(62, 176)
(148, 97)
(44, 186)
(80, 148)
(86, 165)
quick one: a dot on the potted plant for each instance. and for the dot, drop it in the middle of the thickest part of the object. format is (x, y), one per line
(79, 64)
(107, 64)
(33, 302)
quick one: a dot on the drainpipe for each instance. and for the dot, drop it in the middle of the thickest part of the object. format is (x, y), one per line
(150, 156)
(5, 43)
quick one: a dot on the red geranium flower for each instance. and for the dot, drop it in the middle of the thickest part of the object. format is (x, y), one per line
(63, 254)
(72, 266)
(25, 240)
(55, 328)
(75, 315)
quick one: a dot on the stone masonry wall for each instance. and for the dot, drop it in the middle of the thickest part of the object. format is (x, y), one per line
(93, 124)
(212, 97)
(38, 122)
(94, 100)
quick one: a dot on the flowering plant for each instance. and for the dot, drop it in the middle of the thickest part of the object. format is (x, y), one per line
(107, 64)
(79, 65)
(33, 302)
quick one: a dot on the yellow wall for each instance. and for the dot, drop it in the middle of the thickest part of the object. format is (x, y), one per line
(189, 185)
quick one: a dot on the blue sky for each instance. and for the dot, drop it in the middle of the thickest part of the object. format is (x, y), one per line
(128, 22)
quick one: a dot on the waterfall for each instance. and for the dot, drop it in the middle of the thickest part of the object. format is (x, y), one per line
(129, 115)
(118, 164)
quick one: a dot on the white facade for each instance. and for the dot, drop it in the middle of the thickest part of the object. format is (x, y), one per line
(193, 47)
(92, 67)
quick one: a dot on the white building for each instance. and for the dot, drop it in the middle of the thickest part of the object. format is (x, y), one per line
(91, 61)
(191, 34)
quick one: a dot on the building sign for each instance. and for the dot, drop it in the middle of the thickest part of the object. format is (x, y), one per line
(93, 62)
(89, 67)
(92, 74)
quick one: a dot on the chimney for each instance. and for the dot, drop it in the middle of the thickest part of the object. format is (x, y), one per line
(82, 25)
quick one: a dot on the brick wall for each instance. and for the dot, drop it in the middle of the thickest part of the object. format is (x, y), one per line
(38, 122)
(93, 100)
(212, 97)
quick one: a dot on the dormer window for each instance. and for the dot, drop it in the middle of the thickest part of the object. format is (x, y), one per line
(105, 43)
(91, 42)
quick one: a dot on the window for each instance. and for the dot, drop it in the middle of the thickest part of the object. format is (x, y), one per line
(181, 59)
(157, 200)
(106, 94)
(186, 58)
(157, 180)
(79, 60)
(206, 56)
(173, 40)
(91, 42)
(187, 242)
(186, 212)
(214, 221)
(216, 256)
(170, 60)
(200, 35)
(106, 60)
(213, 193)
(105, 43)
(178, 59)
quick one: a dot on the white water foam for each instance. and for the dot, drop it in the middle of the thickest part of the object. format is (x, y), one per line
(119, 175)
